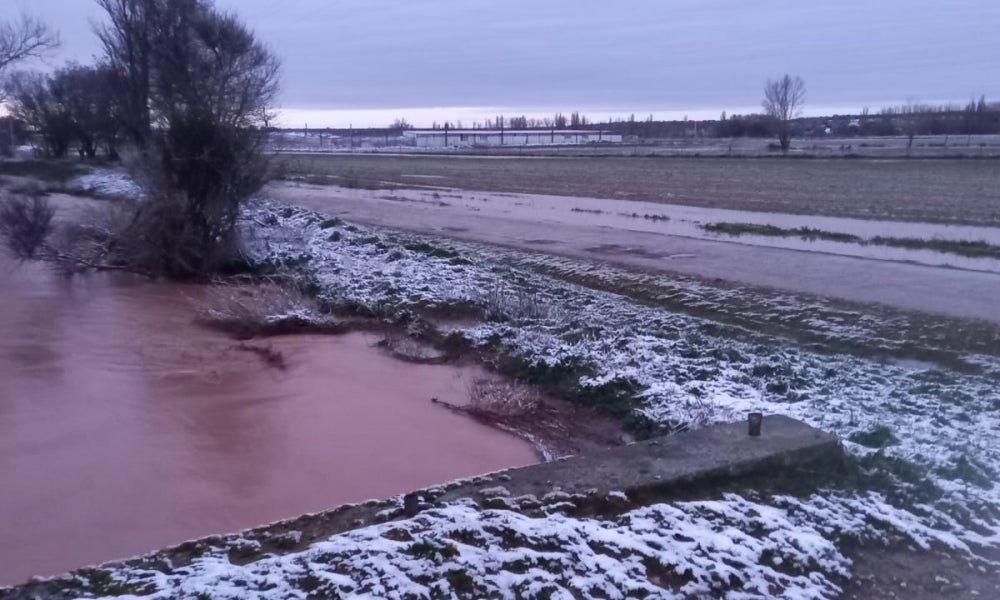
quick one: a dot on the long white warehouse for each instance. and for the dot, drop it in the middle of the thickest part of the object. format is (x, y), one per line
(440, 138)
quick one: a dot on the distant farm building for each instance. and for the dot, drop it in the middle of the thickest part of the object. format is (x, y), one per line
(440, 138)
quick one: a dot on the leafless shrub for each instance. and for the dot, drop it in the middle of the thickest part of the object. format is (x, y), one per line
(497, 398)
(28, 230)
(196, 87)
(26, 187)
(505, 304)
(406, 348)
(250, 304)
(246, 311)
(25, 225)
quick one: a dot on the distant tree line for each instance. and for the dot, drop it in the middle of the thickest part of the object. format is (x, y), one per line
(977, 117)
(74, 107)
(575, 120)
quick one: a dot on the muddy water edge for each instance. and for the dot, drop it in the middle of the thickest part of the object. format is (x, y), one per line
(124, 426)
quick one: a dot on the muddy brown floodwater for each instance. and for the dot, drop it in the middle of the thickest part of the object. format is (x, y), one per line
(125, 427)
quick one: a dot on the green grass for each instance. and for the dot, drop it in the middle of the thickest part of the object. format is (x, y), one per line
(432, 250)
(618, 398)
(806, 233)
(972, 249)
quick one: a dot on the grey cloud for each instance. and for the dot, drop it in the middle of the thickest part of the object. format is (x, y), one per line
(589, 54)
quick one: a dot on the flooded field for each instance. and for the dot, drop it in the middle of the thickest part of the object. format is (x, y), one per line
(671, 238)
(124, 427)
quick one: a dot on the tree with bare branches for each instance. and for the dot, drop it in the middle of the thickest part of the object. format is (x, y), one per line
(193, 90)
(197, 89)
(783, 101)
(24, 38)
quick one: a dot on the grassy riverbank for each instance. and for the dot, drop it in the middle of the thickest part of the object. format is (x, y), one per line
(658, 354)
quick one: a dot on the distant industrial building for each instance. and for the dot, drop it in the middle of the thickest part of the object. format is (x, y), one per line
(441, 138)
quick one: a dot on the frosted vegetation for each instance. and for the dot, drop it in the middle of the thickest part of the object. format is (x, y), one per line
(732, 547)
(921, 437)
(105, 183)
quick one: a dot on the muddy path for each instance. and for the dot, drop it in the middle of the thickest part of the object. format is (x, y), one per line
(125, 427)
(536, 224)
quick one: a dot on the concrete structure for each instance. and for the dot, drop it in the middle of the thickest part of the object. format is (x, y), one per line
(442, 138)
(652, 471)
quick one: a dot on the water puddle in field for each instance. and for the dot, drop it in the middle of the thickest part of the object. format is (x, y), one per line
(636, 216)
(125, 427)
(914, 364)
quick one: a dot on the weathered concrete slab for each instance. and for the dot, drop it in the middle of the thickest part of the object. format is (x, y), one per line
(715, 452)
(653, 469)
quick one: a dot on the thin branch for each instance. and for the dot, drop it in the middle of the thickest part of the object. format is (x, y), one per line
(26, 38)
(78, 261)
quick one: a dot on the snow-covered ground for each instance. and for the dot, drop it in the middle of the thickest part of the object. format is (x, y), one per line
(926, 435)
(106, 182)
(937, 418)
(732, 547)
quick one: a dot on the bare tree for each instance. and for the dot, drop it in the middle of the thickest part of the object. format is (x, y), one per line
(90, 97)
(127, 47)
(25, 38)
(197, 89)
(783, 101)
(75, 103)
(41, 104)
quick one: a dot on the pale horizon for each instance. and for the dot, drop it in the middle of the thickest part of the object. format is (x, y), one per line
(466, 116)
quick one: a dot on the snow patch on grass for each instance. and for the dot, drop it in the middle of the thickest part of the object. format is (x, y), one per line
(683, 376)
(731, 547)
(107, 182)
(939, 424)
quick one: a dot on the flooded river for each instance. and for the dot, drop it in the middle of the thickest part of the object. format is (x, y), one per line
(125, 427)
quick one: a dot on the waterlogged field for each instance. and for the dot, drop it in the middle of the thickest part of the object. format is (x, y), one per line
(933, 190)
(921, 436)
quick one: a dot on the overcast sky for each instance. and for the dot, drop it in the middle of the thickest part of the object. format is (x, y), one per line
(368, 61)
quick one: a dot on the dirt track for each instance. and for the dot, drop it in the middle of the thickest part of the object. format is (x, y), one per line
(955, 292)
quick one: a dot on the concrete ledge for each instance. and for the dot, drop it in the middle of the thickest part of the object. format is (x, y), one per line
(647, 471)
(715, 452)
